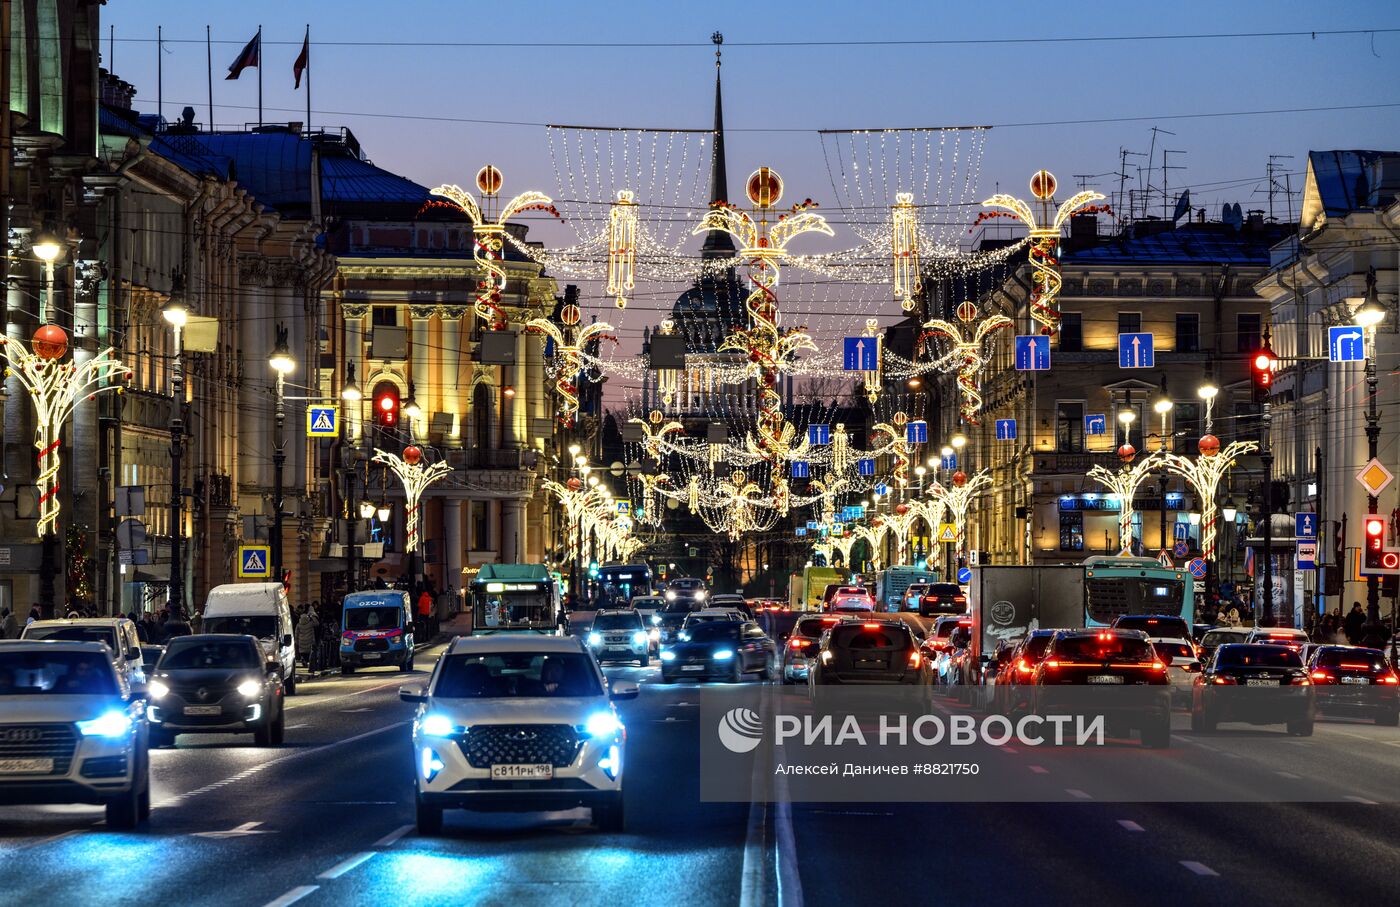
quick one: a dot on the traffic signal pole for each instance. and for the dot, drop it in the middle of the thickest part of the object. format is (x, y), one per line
(1373, 435)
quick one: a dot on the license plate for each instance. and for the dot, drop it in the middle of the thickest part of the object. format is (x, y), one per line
(26, 766)
(1261, 682)
(1104, 678)
(536, 771)
(692, 667)
(371, 656)
(1356, 680)
(203, 709)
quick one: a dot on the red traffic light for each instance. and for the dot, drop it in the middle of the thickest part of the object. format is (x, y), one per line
(386, 405)
(1264, 360)
(1375, 525)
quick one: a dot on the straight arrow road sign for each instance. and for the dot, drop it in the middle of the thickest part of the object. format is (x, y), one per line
(1135, 350)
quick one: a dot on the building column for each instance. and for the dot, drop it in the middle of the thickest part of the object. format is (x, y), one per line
(452, 538)
(420, 362)
(354, 316)
(453, 386)
(510, 530)
(518, 407)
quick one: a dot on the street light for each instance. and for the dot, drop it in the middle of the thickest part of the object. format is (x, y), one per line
(283, 364)
(176, 314)
(574, 450)
(366, 509)
(48, 248)
(411, 407)
(384, 511)
(959, 440)
(1368, 315)
(1229, 511)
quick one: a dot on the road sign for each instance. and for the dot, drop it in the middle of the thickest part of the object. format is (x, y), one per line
(948, 532)
(1032, 352)
(964, 575)
(801, 531)
(1165, 559)
(1096, 424)
(1181, 549)
(1346, 343)
(1389, 564)
(1374, 477)
(813, 524)
(254, 561)
(818, 434)
(916, 432)
(624, 507)
(1305, 525)
(801, 469)
(1135, 350)
(882, 489)
(865, 467)
(1006, 429)
(1181, 531)
(322, 421)
(861, 354)
(1307, 556)
(1197, 566)
(948, 462)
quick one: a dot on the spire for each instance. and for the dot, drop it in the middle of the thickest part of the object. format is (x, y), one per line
(718, 244)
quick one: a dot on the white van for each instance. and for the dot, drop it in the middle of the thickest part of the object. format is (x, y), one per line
(117, 633)
(256, 609)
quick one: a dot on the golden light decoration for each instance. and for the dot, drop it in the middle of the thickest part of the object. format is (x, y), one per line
(488, 232)
(622, 247)
(569, 342)
(654, 431)
(899, 445)
(1204, 475)
(969, 345)
(904, 250)
(872, 378)
(667, 379)
(416, 476)
(1124, 483)
(957, 500)
(1044, 236)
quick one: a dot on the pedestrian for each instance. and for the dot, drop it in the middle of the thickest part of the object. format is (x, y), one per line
(34, 614)
(141, 632)
(563, 619)
(1355, 620)
(174, 626)
(425, 613)
(306, 638)
(9, 627)
(1232, 617)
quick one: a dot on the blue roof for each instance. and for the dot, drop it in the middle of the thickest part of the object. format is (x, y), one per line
(1216, 244)
(1342, 179)
(351, 181)
(275, 167)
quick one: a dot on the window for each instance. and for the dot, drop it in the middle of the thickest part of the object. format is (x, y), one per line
(1188, 332)
(1069, 427)
(1249, 332)
(481, 533)
(386, 316)
(1072, 531)
(1129, 322)
(1071, 332)
(481, 411)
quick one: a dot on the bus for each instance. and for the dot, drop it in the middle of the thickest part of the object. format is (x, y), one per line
(893, 582)
(515, 598)
(631, 580)
(1115, 586)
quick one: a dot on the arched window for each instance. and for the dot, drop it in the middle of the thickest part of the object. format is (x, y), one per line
(481, 413)
(50, 69)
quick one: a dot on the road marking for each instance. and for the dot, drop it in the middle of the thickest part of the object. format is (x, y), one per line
(1038, 770)
(393, 836)
(291, 897)
(1077, 793)
(247, 828)
(1356, 799)
(1130, 825)
(293, 727)
(346, 865)
(1289, 775)
(785, 849)
(1199, 869)
(352, 711)
(296, 702)
(1390, 743)
(1357, 736)
(1009, 749)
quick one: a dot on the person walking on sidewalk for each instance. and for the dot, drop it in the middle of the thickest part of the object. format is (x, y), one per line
(425, 614)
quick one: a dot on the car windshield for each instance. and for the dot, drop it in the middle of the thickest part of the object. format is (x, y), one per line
(517, 675)
(1219, 637)
(686, 585)
(696, 619)
(263, 626)
(1035, 648)
(1175, 649)
(1355, 659)
(629, 621)
(195, 654)
(1110, 648)
(68, 633)
(945, 629)
(857, 636)
(72, 673)
(718, 630)
(1237, 656)
(945, 589)
(811, 626)
(372, 618)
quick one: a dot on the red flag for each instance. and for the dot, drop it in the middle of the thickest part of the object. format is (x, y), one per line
(303, 59)
(251, 55)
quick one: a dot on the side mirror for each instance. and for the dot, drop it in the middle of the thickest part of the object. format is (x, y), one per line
(286, 639)
(621, 689)
(272, 667)
(412, 692)
(133, 655)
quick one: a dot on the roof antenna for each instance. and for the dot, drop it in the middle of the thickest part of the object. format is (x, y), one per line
(718, 39)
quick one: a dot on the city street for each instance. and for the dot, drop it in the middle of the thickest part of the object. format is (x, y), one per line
(327, 818)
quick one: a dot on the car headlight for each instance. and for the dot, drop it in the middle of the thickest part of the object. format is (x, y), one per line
(683, 636)
(656, 620)
(157, 689)
(654, 635)
(115, 723)
(668, 655)
(670, 596)
(435, 725)
(612, 762)
(602, 724)
(723, 654)
(595, 639)
(249, 688)
(639, 638)
(700, 595)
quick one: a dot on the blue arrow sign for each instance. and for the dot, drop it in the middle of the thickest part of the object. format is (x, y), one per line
(949, 462)
(1006, 429)
(818, 434)
(964, 574)
(1135, 350)
(1096, 424)
(1180, 532)
(800, 469)
(865, 467)
(1346, 343)
(916, 432)
(882, 489)
(1305, 525)
(861, 354)
(1032, 352)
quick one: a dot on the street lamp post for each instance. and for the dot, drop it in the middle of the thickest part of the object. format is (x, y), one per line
(283, 364)
(1162, 407)
(176, 315)
(351, 395)
(1368, 316)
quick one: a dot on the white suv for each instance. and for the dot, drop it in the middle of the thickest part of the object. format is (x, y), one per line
(71, 730)
(511, 723)
(117, 633)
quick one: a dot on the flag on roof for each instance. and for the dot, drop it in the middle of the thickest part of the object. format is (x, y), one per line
(251, 55)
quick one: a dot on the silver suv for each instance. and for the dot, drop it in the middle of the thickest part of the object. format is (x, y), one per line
(618, 635)
(72, 730)
(518, 723)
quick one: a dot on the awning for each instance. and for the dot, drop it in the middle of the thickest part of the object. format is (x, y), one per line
(148, 573)
(326, 565)
(391, 566)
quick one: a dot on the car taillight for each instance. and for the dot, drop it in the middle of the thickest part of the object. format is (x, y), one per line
(915, 659)
(799, 643)
(1388, 677)
(1356, 667)
(1051, 664)
(959, 598)
(1024, 666)
(1159, 666)
(870, 626)
(1225, 680)
(1321, 676)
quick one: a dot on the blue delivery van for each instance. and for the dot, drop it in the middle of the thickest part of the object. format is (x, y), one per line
(376, 629)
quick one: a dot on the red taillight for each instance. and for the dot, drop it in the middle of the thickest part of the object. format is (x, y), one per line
(1320, 676)
(1024, 666)
(1159, 666)
(1225, 680)
(871, 626)
(1052, 664)
(1356, 667)
(799, 643)
(1388, 678)
(1105, 636)
(915, 659)
(959, 598)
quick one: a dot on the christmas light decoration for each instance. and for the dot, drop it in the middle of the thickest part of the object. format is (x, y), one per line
(1204, 475)
(416, 476)
(569, 341)
(904, 248)
(957, 499)
(899, 445)
(968, 352)
(1124, 483)
(655, 429)
(622, 247)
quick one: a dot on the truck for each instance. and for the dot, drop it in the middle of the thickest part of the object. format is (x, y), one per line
(892, 582)
(805, 589)
(515, 598)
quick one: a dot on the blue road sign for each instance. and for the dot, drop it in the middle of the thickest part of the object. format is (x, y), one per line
(800, 469)
(861, 354)
(1307, 556)
(949, 462)
(813, 524)
(1135, 350)
(801, 531)
(1096, 424)
(1181, 549)
(624, 507)
(964, 574)
(255, 561)
(865, 467)
(1181, 531)
(1006, 429)
(818, 434)
(1197, 567)
(882, 489)
(321, 422)
(916, 432)
(1305, 525)
(1346, 343)
(1032, 352)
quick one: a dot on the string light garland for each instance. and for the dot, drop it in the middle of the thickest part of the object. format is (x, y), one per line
(904, 250)
(622, 247)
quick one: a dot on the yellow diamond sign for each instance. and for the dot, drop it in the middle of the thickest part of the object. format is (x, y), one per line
(1374, 478)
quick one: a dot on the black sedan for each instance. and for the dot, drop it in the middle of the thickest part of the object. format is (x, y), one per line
(857, 651)
(217, 683)
(724, 650)
(1254, 684)
(1355, 682)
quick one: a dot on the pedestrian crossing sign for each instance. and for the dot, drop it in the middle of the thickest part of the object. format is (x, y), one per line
(254, 562)
(322, 421)
(948, 532)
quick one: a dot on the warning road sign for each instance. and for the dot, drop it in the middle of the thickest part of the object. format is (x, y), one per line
(322, 421)
(947, 532)
(255, 562)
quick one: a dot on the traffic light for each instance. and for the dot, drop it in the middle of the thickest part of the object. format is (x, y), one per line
(386, 406)
(1262, 374)
(1375, 542)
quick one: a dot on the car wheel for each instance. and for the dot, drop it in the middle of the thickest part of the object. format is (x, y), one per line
(609, 817)
(279, 728)
(1158, 736)
(1388, 719)
(1303, 728)
(667, 678)
(429, 818)
(1198, 722)
(644, 660)
(346, 670)
(735, 675)
(767, 672)
(290, 684)
(125, 811)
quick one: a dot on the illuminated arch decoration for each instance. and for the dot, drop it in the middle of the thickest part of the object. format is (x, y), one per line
(569, 342)
(969, 352)
(416, 476)
(622, 247)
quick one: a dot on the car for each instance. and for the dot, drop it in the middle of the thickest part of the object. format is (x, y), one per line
(1279, 636)
(937, 645)
(1355, 681)
(217, 683)
(731, 602)
(1287, 696)
(851, 602)
(1158, 626)
(72, 730)
(867, 652)
(1199, 630)
(963, 667)
(1182, 668)
(619, 635)
(834, 589)
(685, 588)
(149, 656)
(668, 620)
(117, 633)
(720, 649)
(989, 667)
(1012, 690)
(709, 615)
(518, 723)
(802, 646)
(261, 610)
(942, 598)
(1120, 659)
(1219, 636)
(377, 631)
(913, 595)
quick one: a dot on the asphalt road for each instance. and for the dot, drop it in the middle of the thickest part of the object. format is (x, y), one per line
(327, 819)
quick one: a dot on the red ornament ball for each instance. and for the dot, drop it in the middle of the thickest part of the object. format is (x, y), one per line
(1126, 453)
(489, 180)
(764, 187)
(411, 455)
(902, 509)
(50, 341)
(575, 484)
(570, 315)
(1209, 445)
(967, 311)
(959, 478)
(1043, 184)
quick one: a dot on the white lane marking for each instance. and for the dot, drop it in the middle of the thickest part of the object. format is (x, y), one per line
(753, 887)
(298, 702)
(1009, 749)
(1390, 743)
(291, 897)
(1077, 793)
(346, 865)
(1357, 736)
(247, 828)
(1356, 799)
(1199, 869)
(785, 850)
(1039, 770)
(352, 711)
(392, 837)
(1289, 775)
(1130, 825)
(293, 727)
